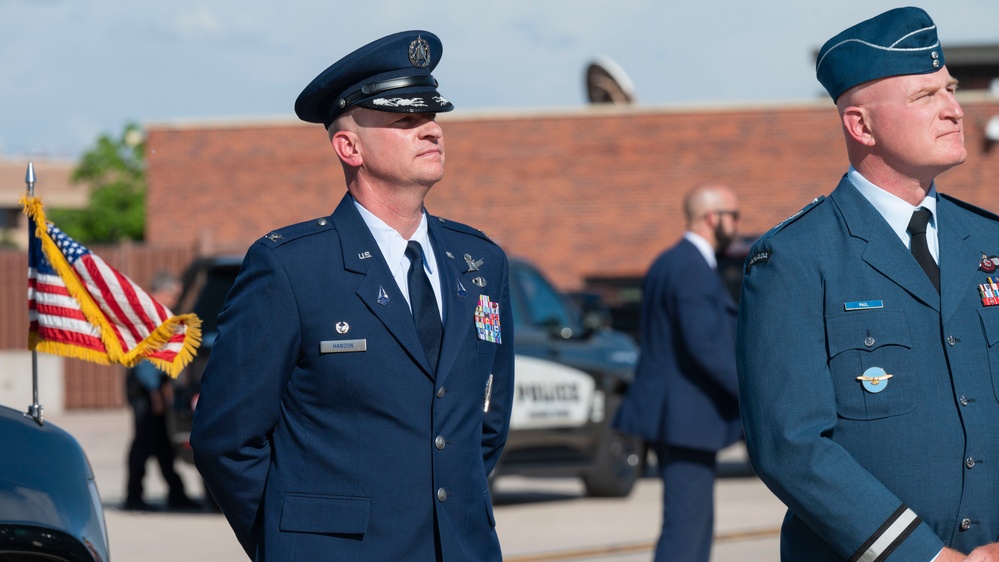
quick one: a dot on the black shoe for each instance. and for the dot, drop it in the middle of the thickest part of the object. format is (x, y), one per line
(137, 505)
(182, 502)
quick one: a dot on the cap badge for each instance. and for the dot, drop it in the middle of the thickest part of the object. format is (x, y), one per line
(419, 53)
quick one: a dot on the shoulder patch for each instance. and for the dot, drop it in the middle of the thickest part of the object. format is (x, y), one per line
(291, 232)
(464, 228)
(760, 257)
(969, 207)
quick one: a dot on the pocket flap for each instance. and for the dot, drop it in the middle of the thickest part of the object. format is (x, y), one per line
(866, 330)
(342, 515)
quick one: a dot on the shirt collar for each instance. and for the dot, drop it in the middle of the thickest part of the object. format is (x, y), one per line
(704, 247)
(392, 244)
(894, 210)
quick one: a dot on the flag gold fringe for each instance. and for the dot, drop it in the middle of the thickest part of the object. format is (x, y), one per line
(66, 350)
(91, 311)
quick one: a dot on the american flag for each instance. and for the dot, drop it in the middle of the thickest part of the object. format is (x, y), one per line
(78, 306)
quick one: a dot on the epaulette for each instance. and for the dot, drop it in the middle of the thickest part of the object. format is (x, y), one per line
(464, 228)
(804, 210)
(291, 232)
(969, 207)
(761, 252)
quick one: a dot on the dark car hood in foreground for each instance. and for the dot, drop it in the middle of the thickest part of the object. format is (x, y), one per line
(48, 498)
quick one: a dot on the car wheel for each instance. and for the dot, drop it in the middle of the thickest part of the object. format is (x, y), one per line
(618, 464)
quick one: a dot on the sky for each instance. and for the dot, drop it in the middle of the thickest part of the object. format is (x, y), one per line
(71, 70)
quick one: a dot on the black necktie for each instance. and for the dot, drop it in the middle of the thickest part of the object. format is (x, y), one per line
(424, 304)
(920, 250)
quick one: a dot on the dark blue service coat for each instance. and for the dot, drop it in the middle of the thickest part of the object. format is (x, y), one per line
(321, 430)
(829, 294)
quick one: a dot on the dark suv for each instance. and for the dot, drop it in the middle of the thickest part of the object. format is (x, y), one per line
(569, 381)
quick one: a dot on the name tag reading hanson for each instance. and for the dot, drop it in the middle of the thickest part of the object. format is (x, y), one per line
(342, 346)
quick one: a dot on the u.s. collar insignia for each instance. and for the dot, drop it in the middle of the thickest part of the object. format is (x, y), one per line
(419, 53)
(473, 264)
(342, 328)
(988, 263)
(383, 298)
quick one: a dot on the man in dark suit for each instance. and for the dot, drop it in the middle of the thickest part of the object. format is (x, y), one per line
(867, 342)
(359, 392)
(683, 401)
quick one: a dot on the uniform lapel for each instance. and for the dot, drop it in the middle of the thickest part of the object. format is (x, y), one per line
(884, 251)
(459, 303)
(960, 254)
(378, 289)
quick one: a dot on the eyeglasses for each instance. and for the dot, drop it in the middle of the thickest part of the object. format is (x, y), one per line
(735, 214)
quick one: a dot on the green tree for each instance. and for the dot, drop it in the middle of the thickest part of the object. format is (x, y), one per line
(115, 169)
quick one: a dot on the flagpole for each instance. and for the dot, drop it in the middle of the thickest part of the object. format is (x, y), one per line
(35, 409)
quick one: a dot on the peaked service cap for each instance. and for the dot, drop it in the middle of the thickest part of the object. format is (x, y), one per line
(898, 42)
(389, 74)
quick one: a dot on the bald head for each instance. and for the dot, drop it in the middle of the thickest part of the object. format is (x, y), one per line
(708, 198)
(712, 212)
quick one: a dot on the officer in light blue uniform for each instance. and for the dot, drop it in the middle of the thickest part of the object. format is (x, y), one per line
(868, 351)
(359, 391)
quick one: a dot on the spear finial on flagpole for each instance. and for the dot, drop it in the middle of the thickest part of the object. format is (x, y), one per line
(35, 410)
(29, 178)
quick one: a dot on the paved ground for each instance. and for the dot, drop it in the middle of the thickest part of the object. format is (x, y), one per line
(537, 519)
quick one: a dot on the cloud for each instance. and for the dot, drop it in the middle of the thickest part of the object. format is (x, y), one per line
(198, 23)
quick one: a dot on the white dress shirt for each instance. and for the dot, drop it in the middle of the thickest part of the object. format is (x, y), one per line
(393, 247)
(898, 212)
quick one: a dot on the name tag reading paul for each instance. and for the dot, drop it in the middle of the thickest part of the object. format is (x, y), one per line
(863, 305)
(342, 346)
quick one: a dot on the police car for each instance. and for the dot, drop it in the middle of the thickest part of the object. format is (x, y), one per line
(569, 381)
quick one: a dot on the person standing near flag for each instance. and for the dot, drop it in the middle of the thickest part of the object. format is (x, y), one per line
(149, 393)
(355, 400)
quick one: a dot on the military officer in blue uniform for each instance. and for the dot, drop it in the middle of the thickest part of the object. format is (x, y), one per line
(867, 353)
(359, 391)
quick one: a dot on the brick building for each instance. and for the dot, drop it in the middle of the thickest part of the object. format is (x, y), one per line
(590, 195)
